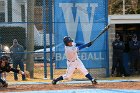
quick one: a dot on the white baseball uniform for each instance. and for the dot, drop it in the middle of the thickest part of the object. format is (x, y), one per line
(73, 62)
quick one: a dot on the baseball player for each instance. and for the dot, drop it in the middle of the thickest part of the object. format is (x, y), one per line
(73, 62)
(5, 67)
(118, 47)
(134, 45)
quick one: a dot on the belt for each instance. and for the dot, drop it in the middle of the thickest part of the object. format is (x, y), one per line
(73, 60)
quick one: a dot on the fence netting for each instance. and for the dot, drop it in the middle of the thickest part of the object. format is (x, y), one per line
(28, 22)
(32, 24)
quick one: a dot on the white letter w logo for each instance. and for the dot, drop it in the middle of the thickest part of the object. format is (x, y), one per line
(82, 15)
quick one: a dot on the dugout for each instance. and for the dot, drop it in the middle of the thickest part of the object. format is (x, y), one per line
(126, 26)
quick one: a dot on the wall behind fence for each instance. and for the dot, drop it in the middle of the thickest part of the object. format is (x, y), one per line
(82, 21)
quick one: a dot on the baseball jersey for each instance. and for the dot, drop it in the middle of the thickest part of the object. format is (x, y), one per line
(71, 52)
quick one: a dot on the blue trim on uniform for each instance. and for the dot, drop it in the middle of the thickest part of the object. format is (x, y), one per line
(89, 76)
(83, 46)
(59, 78)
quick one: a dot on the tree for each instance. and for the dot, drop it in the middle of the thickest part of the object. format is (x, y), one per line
(131, 6)
(138, 7)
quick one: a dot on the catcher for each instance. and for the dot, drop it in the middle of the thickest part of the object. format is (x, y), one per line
(5, 67)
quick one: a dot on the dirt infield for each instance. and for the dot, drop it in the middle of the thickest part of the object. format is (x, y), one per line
(100, 85)
(16, 86)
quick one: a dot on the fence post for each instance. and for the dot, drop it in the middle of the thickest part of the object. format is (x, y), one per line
(107, 46)
(44, 33)
(30, 37)
(50, 36)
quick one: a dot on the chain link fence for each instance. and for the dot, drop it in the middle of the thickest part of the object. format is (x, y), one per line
(31, 22)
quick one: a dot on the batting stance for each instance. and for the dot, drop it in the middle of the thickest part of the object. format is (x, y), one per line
(5, 67)
(73, 62)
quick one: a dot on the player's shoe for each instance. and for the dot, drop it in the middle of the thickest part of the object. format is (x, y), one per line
(94, 81)
(54, 82)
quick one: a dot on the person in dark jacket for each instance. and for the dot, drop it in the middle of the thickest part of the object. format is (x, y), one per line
(5, 67)
(117, 65)
(0, 54)
(134, 45)
(17, 56)
(1, 50)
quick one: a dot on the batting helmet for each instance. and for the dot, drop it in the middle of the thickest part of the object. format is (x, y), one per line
(66, 40)
(4, 57)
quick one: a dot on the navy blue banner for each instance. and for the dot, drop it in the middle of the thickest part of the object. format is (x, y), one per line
(82, 20)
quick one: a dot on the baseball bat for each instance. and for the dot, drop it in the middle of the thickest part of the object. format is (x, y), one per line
(104, 30)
